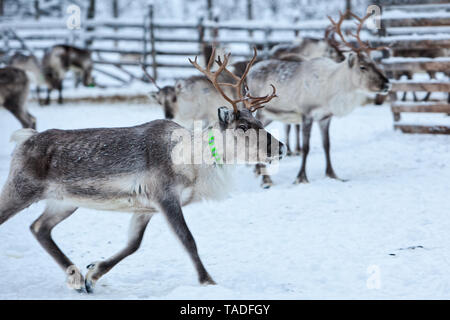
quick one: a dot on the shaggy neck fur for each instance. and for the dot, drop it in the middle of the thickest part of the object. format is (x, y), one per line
(213, 181)
(345, 96)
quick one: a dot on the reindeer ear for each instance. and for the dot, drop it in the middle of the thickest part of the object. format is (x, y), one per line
(351, 59)
(226, 116)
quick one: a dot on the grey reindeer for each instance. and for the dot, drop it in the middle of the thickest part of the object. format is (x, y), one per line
(14, 87)
(307, 49)
(31, 65)
(127, 169)
(58, 60)
(318, 90)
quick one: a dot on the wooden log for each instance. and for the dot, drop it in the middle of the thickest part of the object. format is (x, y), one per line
(431, 86)
(405, 128)
(418, 65)
(420, 7)
(417, 22)
(410, 2)
(135, 63)
(398, 107)
(406, 42)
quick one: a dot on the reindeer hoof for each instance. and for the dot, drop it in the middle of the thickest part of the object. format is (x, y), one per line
(301, 180)
(91, 277)
(89, 286)
(266, 183)
(289, 153)
(207, 281)
(298, 152)
(335, 177)
(75, 279)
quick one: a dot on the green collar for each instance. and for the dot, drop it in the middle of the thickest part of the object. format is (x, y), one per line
(212, 147)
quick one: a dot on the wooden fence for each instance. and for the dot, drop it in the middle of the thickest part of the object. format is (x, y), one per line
(420, 44)
(166, 44)
(155, 43)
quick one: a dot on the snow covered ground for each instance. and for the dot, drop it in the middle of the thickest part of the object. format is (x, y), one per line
(383, 234)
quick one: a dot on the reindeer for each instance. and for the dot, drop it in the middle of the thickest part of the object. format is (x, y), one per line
(310, 48)
(185, 102)
(317, 90)
(306, 49)
(30, 64)
(134, 170)
(14, 87)
(165, 96)
(58, 60)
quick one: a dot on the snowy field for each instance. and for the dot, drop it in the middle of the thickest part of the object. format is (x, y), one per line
(384, 234)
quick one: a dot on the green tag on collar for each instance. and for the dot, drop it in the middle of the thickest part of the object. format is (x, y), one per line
(213, 149)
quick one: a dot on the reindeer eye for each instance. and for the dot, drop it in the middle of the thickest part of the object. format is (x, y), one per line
(243, 127)
(362, 68)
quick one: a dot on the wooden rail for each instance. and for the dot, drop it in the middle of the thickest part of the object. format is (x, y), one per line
(433, 39)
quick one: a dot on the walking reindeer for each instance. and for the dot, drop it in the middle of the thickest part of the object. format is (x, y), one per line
(317, 90)
(14, 87)
(61, 58)
(131, 169)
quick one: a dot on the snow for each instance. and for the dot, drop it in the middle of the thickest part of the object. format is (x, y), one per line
(320, 240)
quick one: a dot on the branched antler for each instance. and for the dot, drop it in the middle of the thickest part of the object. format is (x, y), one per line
(150, 77)
(362, 46)
(250, 102)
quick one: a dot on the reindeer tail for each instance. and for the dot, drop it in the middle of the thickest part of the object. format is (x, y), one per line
(22, 135)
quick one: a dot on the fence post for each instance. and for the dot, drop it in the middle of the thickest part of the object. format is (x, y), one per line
(152, 41)
(250, 17)
(296, 20)
(144, 40)
(115, 9)
(90, 17)
(215, 31)
(36, 9)
(267, 33)
(348, 7)
(201, 35)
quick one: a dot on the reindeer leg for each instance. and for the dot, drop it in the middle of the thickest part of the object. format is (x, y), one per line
(287, 128)
(171, 208)
(17, 194)
(138, 224)
(298, 148)
(324, 125)
(47, 100)
(306, 134)
(38, 95)
(41, 228)
(60, 89)
(260, 169)
(432, 75)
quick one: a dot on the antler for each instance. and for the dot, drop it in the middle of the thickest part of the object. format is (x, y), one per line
(363, 46)
(149, 77)
(329, 37)
(251, 103)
